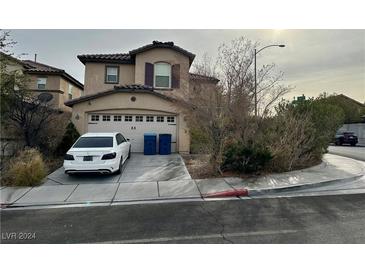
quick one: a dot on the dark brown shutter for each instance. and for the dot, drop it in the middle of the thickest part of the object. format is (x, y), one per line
(175, 81)
(148, 76)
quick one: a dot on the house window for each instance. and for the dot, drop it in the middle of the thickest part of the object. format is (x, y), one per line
(111, 74)
(149, 119)
(162, 77)
(70, 91)
(106, 117)
(139, 118)
(128, 118)
(160, 119)
(117, 118)
(171, 119)
(41, 83)
(94, 117)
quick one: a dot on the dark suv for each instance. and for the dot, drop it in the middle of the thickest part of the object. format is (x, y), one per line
(346, 137)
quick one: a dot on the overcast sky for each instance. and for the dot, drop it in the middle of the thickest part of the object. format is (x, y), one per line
(313, 61)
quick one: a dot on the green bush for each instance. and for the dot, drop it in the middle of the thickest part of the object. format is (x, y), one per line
(245, 158)
(69, 138)
(26, 169)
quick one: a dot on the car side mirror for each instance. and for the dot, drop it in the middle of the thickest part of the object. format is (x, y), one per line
(128, 140)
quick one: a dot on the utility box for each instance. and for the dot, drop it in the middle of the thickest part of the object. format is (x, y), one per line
(150, 142)
(164, 144)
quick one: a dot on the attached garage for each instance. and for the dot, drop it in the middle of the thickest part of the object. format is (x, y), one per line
(134, 126)
(132, 110)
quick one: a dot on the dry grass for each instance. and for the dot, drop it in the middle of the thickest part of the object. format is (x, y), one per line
(26, 169)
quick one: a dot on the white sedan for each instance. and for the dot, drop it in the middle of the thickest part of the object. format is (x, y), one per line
(98, 152)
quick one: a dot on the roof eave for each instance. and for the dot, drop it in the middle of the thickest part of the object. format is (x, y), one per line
(62, 73)
(86, 98)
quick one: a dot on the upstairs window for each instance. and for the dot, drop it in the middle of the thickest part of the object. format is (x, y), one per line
(162, 77)
(111, 74)
(41, 82)
(70, 91)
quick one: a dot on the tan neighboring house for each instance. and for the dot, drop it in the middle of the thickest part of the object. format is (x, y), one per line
(53, 83)
(133, 93)
(46, 79)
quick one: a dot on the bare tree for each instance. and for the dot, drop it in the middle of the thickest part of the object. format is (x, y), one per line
(235, 66)
(21, 109)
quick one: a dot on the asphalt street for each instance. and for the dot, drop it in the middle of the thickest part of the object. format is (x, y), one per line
(355, 152)
(311, 219)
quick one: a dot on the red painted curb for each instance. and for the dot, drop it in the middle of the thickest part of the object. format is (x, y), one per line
(227, 193)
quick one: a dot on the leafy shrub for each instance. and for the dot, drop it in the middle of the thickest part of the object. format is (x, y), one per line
(299, 134)
(245, 158)
(26, 169)
(52, 134)
(69, 138)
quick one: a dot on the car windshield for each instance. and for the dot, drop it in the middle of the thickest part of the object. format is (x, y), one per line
(94, 142)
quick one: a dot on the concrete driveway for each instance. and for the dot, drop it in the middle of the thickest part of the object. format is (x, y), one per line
(139, 168)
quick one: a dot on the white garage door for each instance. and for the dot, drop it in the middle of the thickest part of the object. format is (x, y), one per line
(134, 126)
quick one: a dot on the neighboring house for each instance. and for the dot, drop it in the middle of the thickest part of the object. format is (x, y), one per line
(133, 93)
(43, 79)
(61, 85)
(48, 79)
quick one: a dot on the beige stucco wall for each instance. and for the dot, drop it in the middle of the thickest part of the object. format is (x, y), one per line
(163, 55)
(53, 81)
(121, 103)
(95, 77)
(58, 87)
(76, 92)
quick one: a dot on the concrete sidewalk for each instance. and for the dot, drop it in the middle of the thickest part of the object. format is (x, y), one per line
(333, 169)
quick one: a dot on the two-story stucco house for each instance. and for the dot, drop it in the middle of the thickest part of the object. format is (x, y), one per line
(45, 79)
(54, 81)
(133, 93)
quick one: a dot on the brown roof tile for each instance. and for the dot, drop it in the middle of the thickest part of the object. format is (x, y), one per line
(40, 68)
(158, 44)
(129, 58)
(135, 88)
(199, 77)
(120, 58)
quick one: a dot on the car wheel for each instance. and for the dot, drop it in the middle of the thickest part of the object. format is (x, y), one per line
(120, 166)
(129, 153)
(353, 144)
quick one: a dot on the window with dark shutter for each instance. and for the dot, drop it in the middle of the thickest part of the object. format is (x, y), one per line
(148, 77)
(175, 81)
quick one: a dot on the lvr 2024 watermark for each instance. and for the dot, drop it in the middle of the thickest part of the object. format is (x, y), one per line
(18, 235)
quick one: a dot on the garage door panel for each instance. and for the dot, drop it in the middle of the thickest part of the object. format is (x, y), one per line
(134, 126)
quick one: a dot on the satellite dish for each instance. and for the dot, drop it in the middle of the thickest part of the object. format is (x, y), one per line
(45, 97)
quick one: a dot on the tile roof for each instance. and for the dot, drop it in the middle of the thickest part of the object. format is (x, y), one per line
(120, 58)
(129, 58)
(158, 44)
(135, 88)
(40, 68)
(199, 77)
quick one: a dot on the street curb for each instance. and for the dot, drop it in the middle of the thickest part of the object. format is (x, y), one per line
(241, 192)
(258, 192)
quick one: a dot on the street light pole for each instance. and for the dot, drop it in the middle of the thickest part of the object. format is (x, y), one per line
(255, 53)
